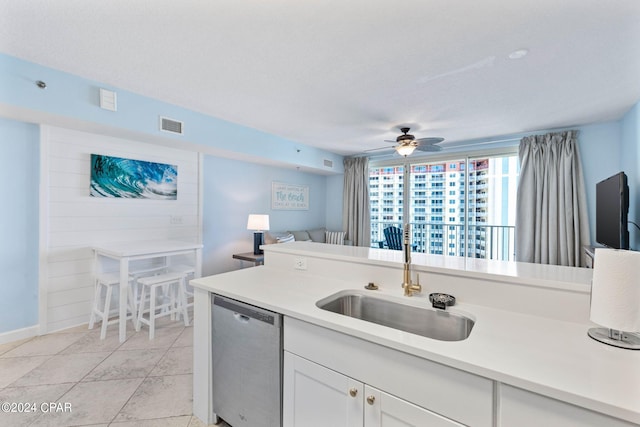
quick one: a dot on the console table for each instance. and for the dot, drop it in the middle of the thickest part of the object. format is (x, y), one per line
(251, 257)
(124, 252)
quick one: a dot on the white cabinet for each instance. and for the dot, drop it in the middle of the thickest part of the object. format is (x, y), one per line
(452, 393)
(318, 396)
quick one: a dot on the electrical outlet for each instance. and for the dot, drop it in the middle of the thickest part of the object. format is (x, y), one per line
(175, 219)
(300, 263)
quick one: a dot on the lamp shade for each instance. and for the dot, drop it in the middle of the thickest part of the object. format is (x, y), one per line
(258, 222)
(406, 149)
(615, 290)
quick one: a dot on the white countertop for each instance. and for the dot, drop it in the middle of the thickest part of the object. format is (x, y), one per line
(550, 357)
(150, 247)
(552, 276)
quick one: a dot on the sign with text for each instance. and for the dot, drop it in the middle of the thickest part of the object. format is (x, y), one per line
(289, 196)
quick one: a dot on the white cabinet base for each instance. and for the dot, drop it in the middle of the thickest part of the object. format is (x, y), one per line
(318, 396)
(424, 383)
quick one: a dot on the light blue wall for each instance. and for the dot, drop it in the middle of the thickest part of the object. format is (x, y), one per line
(335, 184)
(19, 151)
(600, 152)
(630, 163)
(68, 96)
(235, 189)
(606, 149)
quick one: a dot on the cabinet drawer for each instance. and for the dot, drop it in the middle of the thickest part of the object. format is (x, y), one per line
(525, 409)
(452, 393)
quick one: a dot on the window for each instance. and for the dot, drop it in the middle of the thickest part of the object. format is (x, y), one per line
(488, 192)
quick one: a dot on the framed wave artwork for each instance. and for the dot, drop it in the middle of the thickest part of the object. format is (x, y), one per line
(132, 179)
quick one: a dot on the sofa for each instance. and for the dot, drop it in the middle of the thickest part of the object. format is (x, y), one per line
(319, 235)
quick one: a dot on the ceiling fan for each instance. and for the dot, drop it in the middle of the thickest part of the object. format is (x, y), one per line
(407, 144)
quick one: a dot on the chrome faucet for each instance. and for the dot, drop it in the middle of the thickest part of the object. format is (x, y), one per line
(409, 288)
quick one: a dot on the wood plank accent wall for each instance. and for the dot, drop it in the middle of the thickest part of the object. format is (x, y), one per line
(74, 221)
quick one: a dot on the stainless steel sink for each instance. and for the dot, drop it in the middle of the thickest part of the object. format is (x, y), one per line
(426, 321)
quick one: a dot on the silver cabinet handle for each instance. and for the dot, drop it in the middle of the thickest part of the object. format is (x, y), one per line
(371, 400)
(353, 392)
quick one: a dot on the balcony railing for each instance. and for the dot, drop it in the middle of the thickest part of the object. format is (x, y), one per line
(479, 241)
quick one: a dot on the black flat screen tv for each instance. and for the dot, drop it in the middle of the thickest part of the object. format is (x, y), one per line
(612, 208)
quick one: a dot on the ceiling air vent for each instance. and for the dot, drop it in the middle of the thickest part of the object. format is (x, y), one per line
(328, 163)
(170, 125)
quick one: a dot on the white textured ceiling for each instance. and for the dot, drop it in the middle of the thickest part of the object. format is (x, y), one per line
(344, 74)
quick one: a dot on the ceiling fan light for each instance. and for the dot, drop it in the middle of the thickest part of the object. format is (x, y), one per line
(405, 150)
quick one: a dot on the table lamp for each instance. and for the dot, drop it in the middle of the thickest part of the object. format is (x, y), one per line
(615, 298)
(259, 224)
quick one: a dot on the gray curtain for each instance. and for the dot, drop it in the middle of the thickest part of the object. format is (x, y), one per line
(355, 201)
(552, 223)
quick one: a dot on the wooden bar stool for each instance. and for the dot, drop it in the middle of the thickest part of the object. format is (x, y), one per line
(108, 281)
(169, 286)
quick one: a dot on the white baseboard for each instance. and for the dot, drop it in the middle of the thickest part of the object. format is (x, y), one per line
(19, 334)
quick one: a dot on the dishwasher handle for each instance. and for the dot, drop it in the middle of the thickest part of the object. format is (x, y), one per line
(244, 312)
(241, 317)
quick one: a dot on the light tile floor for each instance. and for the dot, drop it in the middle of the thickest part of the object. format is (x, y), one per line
(141, 382)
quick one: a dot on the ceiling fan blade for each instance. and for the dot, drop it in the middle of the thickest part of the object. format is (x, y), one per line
(432, 140)
(428, 147)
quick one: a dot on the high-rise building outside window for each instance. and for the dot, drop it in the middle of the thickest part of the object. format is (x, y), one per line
(484, 198)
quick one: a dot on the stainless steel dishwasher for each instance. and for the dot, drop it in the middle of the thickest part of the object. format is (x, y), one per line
(247, 363)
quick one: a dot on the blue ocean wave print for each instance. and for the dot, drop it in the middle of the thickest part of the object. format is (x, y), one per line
(132, 179)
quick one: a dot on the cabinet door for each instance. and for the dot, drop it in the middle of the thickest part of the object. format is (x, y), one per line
(317, 396)
(384, 410)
